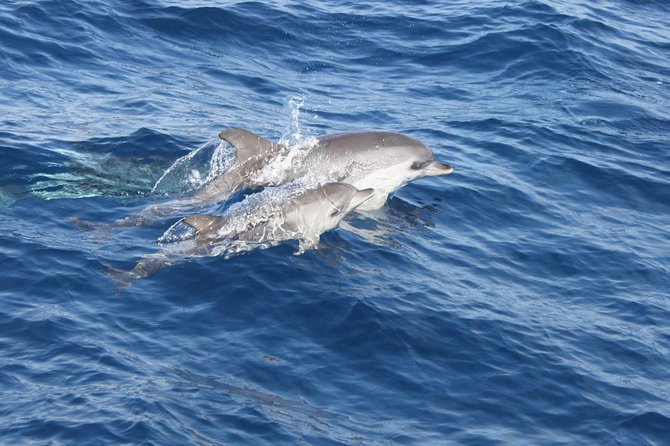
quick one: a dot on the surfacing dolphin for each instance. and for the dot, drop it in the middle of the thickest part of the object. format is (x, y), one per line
(385, 161)
(265, 219)
(382, 160)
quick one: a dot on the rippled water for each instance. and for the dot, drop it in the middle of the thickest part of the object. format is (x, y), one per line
(524, 299)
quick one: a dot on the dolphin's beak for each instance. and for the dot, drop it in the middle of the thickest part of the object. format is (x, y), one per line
(437, 168)
(361, 197)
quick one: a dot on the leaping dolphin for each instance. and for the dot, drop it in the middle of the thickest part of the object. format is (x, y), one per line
(262, 220)
(385, 161)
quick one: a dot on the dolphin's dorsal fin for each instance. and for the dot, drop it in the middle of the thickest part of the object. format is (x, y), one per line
(203, 222)
(249, 146)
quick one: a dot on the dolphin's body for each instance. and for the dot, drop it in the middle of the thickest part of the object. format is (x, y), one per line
(262, 220)
(302, 215)
(384, 161)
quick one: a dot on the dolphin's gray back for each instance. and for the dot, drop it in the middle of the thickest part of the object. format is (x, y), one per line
(332, 192)
(373, 140)
(368, 148)
(371, 136)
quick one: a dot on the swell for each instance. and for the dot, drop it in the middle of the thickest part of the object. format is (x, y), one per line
(522, 297)
(531, 43)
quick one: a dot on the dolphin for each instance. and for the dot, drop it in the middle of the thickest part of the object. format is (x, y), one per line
(304, 216)
(264, 219)
(382, 160)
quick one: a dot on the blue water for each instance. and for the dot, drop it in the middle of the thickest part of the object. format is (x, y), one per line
(523, 299)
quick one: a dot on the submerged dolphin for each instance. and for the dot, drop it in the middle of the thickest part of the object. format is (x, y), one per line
(262, 220)
(381, 160)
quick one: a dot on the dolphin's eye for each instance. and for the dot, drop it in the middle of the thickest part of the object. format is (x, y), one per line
(418, 165)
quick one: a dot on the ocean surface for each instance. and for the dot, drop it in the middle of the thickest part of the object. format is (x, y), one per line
(522, 300)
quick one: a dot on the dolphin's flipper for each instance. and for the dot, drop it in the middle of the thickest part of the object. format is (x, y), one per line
(121, 279)
(250, 147)
(97, 231)
(305, 245)
(85, 225)
(144, 268)
(361, 197)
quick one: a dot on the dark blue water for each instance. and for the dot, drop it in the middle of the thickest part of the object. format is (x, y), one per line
(524, 299)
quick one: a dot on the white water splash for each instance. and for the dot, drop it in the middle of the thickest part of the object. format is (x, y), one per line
(287, 163)
(195, 169)
(293, 134)
(284, 166)
(259, 207)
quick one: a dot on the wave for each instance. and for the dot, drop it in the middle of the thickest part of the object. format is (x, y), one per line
(519, 298)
